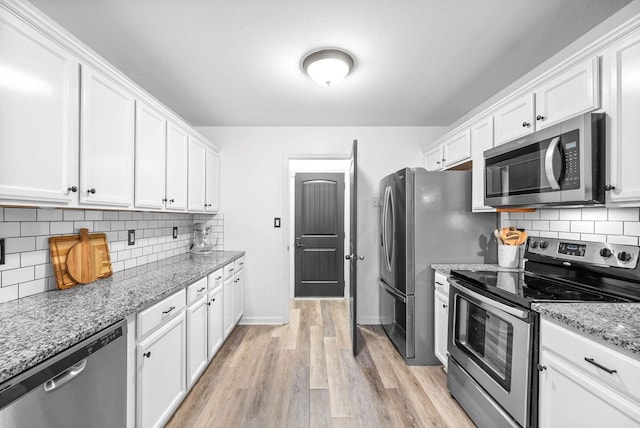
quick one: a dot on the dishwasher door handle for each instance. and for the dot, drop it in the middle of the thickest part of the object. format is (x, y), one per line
(66, 376)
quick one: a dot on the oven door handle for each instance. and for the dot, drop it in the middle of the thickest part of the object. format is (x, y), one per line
(485, 302)
(395, 293)
(548, 163)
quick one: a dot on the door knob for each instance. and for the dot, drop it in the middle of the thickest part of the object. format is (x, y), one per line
(299, 243)
(353, 257)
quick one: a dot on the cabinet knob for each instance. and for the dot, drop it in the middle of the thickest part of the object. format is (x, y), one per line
(444, 306)
(164, 200)
(172, 200)
(609, 187)
(526, 124)
(438, 162)
(540, 117)
(92, 191)
(444, 160)
(73, 189)
(147, 354)
(213, 300)
(541, 368)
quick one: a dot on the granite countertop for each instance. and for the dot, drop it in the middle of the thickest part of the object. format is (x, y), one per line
(615, 323)
(37, 327)
(446, 268)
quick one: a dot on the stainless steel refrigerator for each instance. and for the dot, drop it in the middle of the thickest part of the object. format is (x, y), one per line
(425, 218)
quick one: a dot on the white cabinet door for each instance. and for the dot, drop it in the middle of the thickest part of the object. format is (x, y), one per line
(514, 119)
(161, 374)
(197, 166)
(177, 167)
(238, 296)
(215, 330)
(39, 110)
(228, 293)
(574, 92)
(433, 158)
(569, 398)
(457, 148)
(151, 132)
(107, 141)
(197, 325)
(212, 178)
(441, 311)
(481, 140)
(622, 65)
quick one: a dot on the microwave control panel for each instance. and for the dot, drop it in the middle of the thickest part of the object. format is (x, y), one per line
(571, 159)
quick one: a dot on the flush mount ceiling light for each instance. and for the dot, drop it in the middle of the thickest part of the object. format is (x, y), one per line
(328, 66)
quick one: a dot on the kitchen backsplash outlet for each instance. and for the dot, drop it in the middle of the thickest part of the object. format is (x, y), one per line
(28, 270)
(613, 225)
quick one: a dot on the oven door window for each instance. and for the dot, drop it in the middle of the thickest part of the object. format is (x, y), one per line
(486, 338)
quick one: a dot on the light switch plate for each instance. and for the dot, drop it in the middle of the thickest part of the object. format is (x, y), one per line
(132, 237)
(175, 232)
(276, 222)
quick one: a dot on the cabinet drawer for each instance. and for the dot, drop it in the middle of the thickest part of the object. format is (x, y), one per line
(240, 263)
(441, 283)
(229, 270)
(196, 290)
(152, 317)
(576, 349)
(215, 279)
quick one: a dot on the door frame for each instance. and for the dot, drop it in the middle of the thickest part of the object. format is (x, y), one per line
(301, 163)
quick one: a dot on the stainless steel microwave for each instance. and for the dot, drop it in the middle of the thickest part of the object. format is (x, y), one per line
(560, 165)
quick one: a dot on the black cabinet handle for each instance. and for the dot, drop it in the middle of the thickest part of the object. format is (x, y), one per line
(444, 306)
(609, 187)
(541, 368)
(526, 124)
(147, 354)
(600, 366)
(73, 189)
(540, 117)
(168, 310)
(164, 200)
(213, 300)
(92, 191)
(172, 200)
(202, 289)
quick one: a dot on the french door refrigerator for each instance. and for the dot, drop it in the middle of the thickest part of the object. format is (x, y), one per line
(425, 218)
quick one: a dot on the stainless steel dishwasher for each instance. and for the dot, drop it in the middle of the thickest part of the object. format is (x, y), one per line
(83, 386)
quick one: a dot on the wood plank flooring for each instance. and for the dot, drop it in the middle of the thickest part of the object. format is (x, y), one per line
(304, 375)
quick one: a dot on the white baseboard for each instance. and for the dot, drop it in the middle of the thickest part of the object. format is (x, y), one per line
(261, 321)
(369, 320)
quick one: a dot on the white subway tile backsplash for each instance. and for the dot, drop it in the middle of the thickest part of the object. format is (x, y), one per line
(534, 215)
(571, 214)
(560, 225)
(540, 225)
(20, 214)
(27, 269)
(593, 237)
(73, 215)
(550, 214)
(594, 214)
(632, 228)
(548, 234)
(624, 214)
(625, 240)
(609, 227)
(582, 226)
(524, 224)
(43, 214)
(568, 235)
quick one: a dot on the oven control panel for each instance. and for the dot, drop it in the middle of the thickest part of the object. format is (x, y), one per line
(596, 253)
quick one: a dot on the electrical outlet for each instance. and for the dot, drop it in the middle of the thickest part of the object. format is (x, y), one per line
(175, 232)
(132, 237)
(276, 222)
(1, 251)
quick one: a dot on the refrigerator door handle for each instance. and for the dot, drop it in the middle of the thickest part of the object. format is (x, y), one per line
(385, 242)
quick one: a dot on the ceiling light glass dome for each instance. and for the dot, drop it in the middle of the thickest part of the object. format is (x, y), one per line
(328, 66)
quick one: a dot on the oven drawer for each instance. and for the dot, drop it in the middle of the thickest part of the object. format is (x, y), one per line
(576, 349)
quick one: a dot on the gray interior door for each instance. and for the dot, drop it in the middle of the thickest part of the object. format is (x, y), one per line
(319, 235)
(353, 256)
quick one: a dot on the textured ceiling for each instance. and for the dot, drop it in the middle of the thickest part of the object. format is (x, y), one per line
(237, 62)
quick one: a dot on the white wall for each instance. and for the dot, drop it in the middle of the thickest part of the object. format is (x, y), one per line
(254, 190)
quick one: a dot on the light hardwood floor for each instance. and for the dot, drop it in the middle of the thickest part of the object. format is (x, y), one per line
(304, 375)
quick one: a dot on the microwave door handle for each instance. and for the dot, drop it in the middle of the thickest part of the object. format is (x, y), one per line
(548, 163)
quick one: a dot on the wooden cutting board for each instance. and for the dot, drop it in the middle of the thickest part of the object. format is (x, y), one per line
(60, 246)
(84, 261)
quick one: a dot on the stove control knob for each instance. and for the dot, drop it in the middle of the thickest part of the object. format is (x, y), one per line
(606, 253)
(534, 244)
(625, 257)
(544, 244)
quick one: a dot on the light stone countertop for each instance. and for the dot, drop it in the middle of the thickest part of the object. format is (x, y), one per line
(37, 327)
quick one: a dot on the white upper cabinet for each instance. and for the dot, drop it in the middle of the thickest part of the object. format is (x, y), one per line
(514, 120)
(177, 164)
(433, 158)
(481, 140)
(151, 131)
(574, 92)
(39, 110)
(197, 168)
(622, 65)
(212, 179)
(106, 141)
(456, 148)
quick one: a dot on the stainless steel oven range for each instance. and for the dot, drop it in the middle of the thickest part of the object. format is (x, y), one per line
(493, 333)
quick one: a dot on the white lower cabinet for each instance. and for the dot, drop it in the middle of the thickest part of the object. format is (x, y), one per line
(215, 335)
(440, 317)
(228, 311)
(161, 372)
(585, 384)
(238, 296)
(197, 325)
